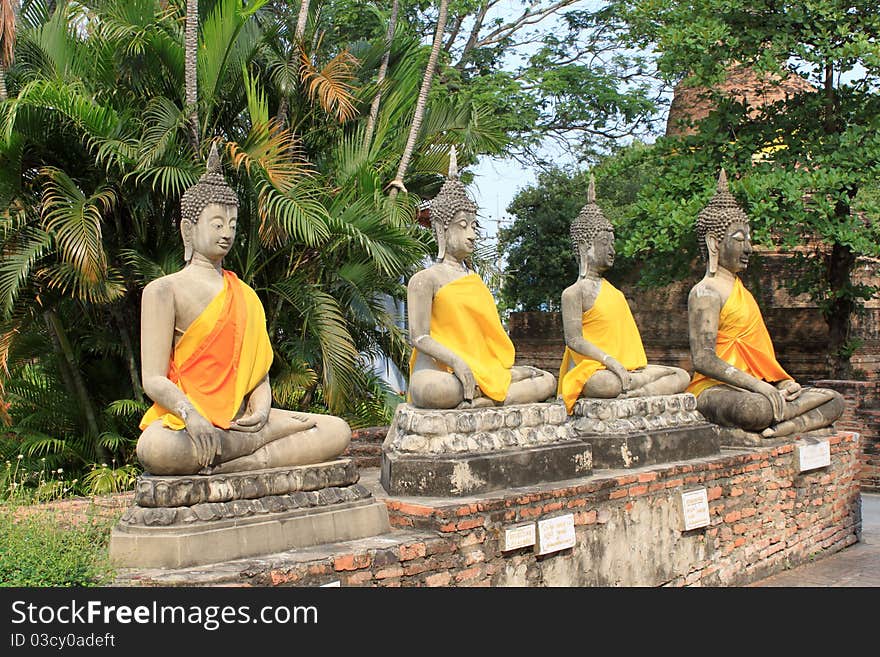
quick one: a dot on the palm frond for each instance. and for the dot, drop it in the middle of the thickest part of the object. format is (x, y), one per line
(18, 263)
(331, 86)
(227, 40)
(322, 318)
(74, 221)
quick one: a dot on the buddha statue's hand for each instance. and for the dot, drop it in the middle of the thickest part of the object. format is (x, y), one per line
(464, 374)
(790, 389)
(252, 422)
(614, 366)
(205, 439)
(774, 396)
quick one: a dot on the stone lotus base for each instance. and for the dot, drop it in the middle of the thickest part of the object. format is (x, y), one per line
(445, 453)
(184, 521)
(736, 437)
(639, 431)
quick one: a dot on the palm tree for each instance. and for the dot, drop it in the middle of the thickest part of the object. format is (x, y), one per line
(8, 11)
(191, 44)
(383, 70)
(418, 114)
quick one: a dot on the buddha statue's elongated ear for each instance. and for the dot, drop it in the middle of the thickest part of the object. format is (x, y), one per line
(186, 228)
(582, 250)
(711, 254)
(440, 236)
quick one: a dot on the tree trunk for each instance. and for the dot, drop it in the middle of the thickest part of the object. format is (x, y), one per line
(131, 361)
(383, 70)
(73, 377)
(840, 264)
(191, 46)
(3, 94)
(302, 19)
(397, 183)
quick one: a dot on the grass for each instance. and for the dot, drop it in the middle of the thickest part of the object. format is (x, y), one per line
(42, 547)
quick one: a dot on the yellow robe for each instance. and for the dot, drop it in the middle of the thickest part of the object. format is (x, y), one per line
(743, 341)
(610, 326)
(464, 319)
(220, 358)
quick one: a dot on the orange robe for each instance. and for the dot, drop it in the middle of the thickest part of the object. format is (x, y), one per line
(743, 341)
(464, 319)
(609, 325)
(220, 358)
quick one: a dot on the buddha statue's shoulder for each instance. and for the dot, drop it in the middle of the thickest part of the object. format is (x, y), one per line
(431, 279)
(582, 293)
(705, 293)
(162, 287)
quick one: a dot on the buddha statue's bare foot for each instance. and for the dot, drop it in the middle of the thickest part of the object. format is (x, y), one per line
(769, 432)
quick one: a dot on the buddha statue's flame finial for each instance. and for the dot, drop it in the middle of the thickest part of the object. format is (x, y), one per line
(453, 163)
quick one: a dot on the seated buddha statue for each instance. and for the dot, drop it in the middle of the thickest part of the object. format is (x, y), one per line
(205, 358)
(737, 380)
(462, 357)
(604, 356)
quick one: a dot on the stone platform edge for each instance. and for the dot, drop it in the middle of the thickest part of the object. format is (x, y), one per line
(765, 516)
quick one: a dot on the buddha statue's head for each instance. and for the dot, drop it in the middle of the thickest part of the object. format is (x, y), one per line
(454, 216)
(723, 232)
(592, 237)
(208, 213)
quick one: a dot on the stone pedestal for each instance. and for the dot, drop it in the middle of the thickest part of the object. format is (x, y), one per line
(736, 437)
(194, 520)
(446, 453)
(640, 431)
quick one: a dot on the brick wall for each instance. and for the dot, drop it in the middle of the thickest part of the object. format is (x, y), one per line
(765, 517)
(862, 415)
(366, 446)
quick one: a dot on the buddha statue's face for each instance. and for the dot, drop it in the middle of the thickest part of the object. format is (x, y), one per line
(214, 233)
(601, 254)
(736, 247)
(461, 235)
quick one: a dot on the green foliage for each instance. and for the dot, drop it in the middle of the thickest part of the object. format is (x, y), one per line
(96, 151)
(540, 258)
(805, 168)
(40, 548)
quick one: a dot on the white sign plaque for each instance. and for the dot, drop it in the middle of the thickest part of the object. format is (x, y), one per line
(555, 534)
(518, 537)
(694, 509)
(812, 455)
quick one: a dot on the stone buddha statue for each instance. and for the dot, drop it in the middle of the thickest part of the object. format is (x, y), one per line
(737, 380)
(462, 357)
(604, 356)
(205, 357)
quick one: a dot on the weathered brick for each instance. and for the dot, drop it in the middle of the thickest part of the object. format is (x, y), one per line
(412, 551)
(617, 494)
(713, 493)
(438, 579)
(469, 573)
(415, 567)
(352, 562)
(469, 523)
(392, 571)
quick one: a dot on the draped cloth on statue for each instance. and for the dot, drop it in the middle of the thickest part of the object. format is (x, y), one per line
(220, 358)
(610, 326)
(743, 341)
(464, 319)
